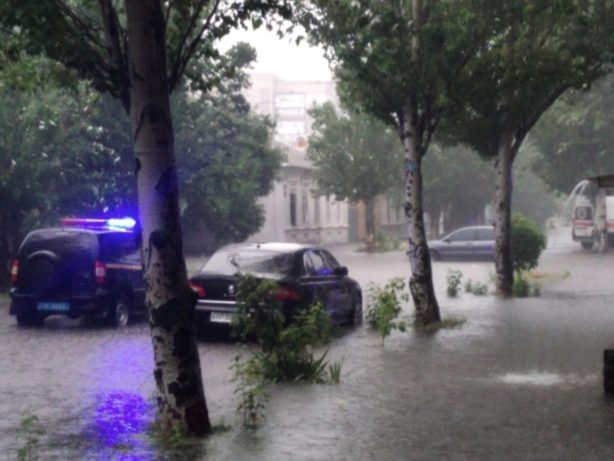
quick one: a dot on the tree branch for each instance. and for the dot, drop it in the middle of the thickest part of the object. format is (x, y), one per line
(182, 58)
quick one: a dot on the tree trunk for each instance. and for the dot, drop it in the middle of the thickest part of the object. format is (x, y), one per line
(503, 215)
(170, 302)
(421, 282)
(370, 216)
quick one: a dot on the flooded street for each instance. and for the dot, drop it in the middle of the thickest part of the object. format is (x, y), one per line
(521, 379)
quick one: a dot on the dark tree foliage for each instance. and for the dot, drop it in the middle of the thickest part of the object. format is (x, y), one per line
(575, 138)
(356, 157)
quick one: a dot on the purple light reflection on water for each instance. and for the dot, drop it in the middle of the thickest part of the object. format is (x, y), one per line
(121, 377)
(120, 416)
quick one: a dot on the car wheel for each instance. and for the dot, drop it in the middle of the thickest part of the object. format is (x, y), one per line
(355, 318)
(435, 256)
(587, 245)
(119, 313)
(31, 319)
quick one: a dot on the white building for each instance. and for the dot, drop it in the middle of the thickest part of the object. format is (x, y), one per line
(293, 210)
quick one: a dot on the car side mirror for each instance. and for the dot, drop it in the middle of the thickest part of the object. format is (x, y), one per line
(341, 271)
(447, 240)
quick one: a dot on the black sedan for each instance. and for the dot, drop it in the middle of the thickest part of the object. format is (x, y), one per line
(305, 274)
(474, 242)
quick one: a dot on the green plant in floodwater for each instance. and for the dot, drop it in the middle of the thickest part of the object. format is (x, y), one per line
(30, 432)
(384, 306)
(453, 280)
(250, 388)
(286, 341)
(477, 288)
(334, 372)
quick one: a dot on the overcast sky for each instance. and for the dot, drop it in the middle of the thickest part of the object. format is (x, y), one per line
(281, 57)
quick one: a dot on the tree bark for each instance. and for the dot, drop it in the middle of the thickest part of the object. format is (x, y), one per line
(370, 216)
(170, 302)
(503, 214)
(421, 281)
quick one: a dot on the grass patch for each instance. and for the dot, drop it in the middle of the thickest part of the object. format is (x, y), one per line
(447, 323)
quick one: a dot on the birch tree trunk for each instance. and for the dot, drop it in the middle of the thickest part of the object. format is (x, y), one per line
(170, 302)
(421, 281)
(503, 215)
(370, 216)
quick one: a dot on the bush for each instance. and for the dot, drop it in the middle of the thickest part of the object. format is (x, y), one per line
(477, 288)
(385, 241)
(286, 347)
(384, 306)
(527, 241)
(453, 280)
(521, 287)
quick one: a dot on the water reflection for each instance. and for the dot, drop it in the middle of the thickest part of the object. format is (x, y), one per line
(120, 373)
(120, 421)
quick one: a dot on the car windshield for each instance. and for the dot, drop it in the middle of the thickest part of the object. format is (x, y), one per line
(229, 262)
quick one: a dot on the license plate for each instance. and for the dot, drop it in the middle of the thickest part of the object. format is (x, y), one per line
(584, 231)
(221, 317)
(51, 306)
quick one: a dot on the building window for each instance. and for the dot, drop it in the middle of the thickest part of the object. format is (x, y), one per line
(293, 209)
(305, 207)
(316, 218)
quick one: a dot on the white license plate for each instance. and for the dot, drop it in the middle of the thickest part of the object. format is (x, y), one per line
(221, 317)
(49, 306)
(584, 231)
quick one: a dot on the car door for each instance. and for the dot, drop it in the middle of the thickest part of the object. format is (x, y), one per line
(461, 243)
(485, 244)
(321, 284)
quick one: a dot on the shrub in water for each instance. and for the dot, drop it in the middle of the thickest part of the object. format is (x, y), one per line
(384, 306)
(454, 282)
(521, 287)
(286, 345)
(528, 241)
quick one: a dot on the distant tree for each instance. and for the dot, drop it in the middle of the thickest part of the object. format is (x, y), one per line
(356, 157)
(457, 183)
(399, 61)
(575, 138)
(28, 129)
(539, 49)
(139, 52)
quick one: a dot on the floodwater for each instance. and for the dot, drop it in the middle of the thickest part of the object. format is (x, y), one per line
(521, 379)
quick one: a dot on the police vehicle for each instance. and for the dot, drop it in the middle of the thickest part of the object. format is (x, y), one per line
(84, 267)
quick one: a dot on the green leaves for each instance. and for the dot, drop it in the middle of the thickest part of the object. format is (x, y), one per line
(575, 137)
(356, 156)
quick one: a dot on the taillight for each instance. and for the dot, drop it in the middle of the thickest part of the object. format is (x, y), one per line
(101, 273)
(14, 271)
(284, 293)
(200, 290)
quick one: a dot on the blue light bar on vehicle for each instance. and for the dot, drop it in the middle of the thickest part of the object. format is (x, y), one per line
(121, 224)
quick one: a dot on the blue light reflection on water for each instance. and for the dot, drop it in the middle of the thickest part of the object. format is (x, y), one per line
(120, 377)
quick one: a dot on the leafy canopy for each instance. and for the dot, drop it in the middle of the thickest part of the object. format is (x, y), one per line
(356, 156)
(575, 137)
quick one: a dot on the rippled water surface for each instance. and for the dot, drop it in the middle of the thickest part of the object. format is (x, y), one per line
(520, 380)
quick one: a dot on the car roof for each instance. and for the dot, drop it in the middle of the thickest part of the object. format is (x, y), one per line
(80, 230)
(279, 247)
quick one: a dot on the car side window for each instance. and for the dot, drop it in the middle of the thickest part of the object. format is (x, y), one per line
(463, 235)
(314, 264)
(486, 234)
(330, 260)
